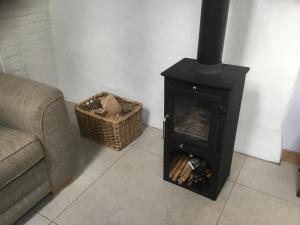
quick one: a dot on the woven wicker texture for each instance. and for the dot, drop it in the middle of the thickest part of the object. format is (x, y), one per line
(116, 131)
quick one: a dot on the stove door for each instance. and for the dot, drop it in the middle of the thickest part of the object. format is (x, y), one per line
(195, 115)
(192, 117)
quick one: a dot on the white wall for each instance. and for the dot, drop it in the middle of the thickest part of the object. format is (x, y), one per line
(123, 45)
(265, 37)
(26, 46)
(291, 128)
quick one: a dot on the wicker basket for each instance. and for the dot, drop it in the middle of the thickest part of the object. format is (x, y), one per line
(115, 132)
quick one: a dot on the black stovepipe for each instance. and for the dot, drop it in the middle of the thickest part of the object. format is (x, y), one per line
(213, 24)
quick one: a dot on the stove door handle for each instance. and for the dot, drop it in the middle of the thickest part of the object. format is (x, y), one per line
(164, 125)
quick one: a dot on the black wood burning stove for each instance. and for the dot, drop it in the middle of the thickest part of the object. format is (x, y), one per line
(202, 104)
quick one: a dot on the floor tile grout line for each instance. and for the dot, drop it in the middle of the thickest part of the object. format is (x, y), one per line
(219, 218)
(144, 150)
(271, 195)
(234, 183)
(87, 188)
(129, 148)
(254, 189)
(240, 170)
(40, 214)
(53, 222)
(140, 137)
(250, 188)
(133, 147)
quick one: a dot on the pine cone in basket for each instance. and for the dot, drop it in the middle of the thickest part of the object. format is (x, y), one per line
(92, 104)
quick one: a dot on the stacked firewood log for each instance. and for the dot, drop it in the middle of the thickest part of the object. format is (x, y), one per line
(180, 169)
(187, 168)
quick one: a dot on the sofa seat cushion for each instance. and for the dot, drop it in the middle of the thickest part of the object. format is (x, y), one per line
(19, 151)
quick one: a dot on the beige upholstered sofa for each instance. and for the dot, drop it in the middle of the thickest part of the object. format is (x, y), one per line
(35, 145)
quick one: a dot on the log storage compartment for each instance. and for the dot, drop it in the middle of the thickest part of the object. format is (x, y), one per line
(191, 172)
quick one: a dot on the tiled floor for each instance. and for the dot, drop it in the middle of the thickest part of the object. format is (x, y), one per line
(126, 188)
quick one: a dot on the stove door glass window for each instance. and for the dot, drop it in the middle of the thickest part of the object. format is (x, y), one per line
(192, 117)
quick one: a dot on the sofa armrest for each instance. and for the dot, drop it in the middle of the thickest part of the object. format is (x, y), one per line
(57, 142)
(39, 109)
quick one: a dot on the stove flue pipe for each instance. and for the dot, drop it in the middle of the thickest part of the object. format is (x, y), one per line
(213, 24)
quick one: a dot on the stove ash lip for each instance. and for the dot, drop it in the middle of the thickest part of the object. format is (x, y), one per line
(213, 23)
